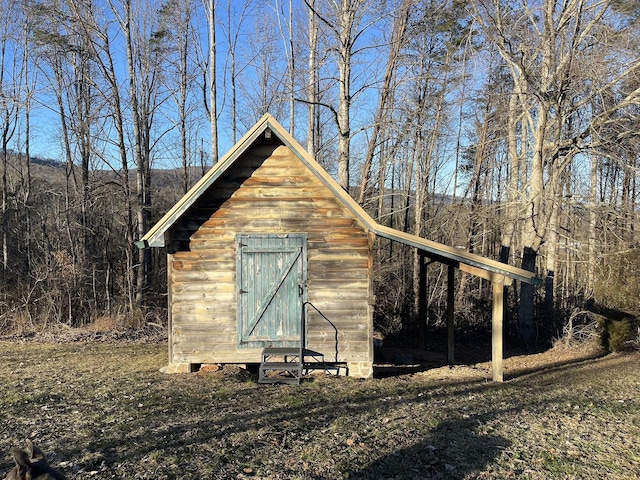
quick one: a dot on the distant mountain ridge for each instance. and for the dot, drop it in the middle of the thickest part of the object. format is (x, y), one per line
(46, 162)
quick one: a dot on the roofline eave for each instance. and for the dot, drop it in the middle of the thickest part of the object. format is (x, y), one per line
(450, 255)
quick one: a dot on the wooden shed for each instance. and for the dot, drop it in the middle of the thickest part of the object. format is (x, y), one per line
(268, 255)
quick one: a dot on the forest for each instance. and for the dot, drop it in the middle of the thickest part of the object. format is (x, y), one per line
(507, 128)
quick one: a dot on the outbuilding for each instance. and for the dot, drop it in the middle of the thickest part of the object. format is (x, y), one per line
(267, 255)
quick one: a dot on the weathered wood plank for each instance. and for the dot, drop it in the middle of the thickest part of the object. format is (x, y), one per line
(269, 191)
(496, 332)
(211, 322)
(327, 344)
(195, 310)
(247, 199)
(222, 298)
(337, 275)
(213, 354)
(217, 249)
(191, 256)
(357, 284)
(344, 300)
(209, 287)
(346, 352)
(291, 193)
(275, 181)
(222, 274)
(203, 245)
(354, 244)
(256, 165)
(218, 225)
(222, 263)
(330, 235)
(351, 257)
(335, 314)
(347, 341)
(324, 265)
(225, 330)
(202, 277)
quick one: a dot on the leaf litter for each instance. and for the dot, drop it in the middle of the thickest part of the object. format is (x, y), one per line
(103, 410)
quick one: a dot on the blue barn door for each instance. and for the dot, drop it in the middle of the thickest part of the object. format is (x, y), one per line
(271, 283)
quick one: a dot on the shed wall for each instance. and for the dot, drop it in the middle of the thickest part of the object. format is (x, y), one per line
(268, 190)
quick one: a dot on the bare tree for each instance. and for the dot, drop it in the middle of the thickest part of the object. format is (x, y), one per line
(63, 50)
(212, 106)
(546, 47)
(313, 94)
(397, 43)
(285, 18)
(343, 20)
(9, 107)
(108, 85)
(233, 28)
(175, 38)
(144, 72)
(264, 85)
(30, 76)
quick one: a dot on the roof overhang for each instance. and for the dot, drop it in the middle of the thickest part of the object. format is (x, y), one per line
(478, 265)
(483, 267)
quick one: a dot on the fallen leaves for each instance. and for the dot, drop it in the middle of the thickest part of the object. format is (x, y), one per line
(104, 411)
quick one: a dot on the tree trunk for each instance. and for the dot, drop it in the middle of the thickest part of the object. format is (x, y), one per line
(141, 153)
(397, 42)
(312, 85)
(8, 112)
(347, 13)
(592, 250)
(526, 325)
(551, 246)
(213, 104)
(292, 76)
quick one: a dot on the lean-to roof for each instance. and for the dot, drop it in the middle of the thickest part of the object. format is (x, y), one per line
(476, 264)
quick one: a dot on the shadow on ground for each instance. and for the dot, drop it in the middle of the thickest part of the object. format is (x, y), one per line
(439, 457)
(473, 349)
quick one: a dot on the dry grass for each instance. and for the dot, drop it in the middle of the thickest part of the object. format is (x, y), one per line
(104, 411)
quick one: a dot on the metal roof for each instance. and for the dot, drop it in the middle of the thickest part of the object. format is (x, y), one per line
(476, 264)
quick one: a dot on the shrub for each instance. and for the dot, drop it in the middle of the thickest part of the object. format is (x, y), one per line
(581, 329)
(616, 283)
(617, 335)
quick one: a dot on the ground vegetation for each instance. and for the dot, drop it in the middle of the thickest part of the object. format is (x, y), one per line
(101, 409)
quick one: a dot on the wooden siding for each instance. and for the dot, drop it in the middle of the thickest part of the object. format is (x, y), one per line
(268, 190)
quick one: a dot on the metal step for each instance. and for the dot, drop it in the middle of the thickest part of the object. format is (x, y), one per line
(280, 365)
(286, 354)
(287, 364)
(276, 372)
(287, 380)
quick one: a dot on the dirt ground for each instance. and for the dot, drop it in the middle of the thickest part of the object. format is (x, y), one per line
(520, 365)
(99, 406)
(472, 357)
(472, 354)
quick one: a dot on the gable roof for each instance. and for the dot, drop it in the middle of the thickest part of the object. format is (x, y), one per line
(481, 266)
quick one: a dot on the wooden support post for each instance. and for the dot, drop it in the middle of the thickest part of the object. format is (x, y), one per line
(422, 302)
(450, 305)
(170, 274)
(496, 331)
